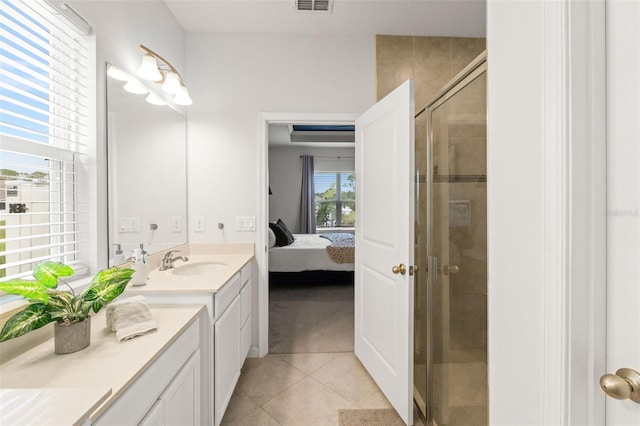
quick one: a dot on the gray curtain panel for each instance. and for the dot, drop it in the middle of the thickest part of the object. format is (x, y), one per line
(308, 208)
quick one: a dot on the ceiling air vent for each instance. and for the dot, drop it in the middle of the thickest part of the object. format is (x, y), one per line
(314, 5)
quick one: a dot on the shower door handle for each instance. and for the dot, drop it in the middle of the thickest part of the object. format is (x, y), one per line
(450, 269)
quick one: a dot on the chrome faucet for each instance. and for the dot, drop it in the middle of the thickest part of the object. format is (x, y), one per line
(167, 260)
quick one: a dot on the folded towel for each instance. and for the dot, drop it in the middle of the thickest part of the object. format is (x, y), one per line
(130, 317)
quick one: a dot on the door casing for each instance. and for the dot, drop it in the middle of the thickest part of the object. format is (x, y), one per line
(262, 253)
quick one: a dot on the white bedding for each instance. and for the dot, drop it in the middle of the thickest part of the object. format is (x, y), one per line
(307, 253)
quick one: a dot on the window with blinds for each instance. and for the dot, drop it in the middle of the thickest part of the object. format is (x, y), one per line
(44, 94)
(335, 199)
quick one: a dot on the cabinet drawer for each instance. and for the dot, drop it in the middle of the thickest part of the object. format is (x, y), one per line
(226, 295)
(245, 302)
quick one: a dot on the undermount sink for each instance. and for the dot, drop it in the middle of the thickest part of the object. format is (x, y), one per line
(198, 268)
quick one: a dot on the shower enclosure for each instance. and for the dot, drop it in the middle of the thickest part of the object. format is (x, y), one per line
(450, 371)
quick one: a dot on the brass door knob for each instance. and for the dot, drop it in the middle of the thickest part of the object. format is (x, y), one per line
(399, 269)
(625, 384)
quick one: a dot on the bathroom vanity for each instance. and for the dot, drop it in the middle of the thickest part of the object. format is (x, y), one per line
(182, 373)
(218, 276)
(146, 380)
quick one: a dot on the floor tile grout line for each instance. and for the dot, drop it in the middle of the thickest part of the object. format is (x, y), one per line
(318, 368)
(283, 390)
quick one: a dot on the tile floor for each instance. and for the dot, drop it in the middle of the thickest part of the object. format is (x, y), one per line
(301, 389)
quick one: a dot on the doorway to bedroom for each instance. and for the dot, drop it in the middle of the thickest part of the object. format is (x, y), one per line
(311, 215)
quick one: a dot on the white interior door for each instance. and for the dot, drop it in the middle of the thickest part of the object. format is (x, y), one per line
(384, 239)
(623, 200)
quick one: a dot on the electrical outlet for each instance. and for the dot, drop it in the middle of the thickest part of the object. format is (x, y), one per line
(176, 224)
(198, 224)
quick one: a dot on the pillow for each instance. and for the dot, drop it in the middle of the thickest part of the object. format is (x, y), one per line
(282, 239)
(286, 230)
(272, 238)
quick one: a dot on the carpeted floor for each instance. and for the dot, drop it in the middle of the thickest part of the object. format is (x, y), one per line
(310, 317)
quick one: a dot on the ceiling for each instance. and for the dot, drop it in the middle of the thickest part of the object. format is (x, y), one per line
(281, 135)
(450, 18)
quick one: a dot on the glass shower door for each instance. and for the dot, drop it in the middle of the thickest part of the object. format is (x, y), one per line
(457, 254)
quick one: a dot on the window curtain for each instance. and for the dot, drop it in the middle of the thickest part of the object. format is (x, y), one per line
(308, 202)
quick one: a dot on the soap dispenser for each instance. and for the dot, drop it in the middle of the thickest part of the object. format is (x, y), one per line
(139, 277)
(118, 256)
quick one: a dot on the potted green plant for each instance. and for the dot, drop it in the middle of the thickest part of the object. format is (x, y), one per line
(72, 329)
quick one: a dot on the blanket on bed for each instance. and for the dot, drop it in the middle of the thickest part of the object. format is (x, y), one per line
(342, 247)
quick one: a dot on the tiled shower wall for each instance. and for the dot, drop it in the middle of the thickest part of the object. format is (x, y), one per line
(430, 61)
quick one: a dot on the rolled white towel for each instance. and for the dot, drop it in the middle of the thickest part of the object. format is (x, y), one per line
(130, 317)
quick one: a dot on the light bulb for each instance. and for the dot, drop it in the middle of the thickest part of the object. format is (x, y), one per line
(134, 86)
(182, 97)
(155, 99)
(116, 73)
(171, 83)
(149, 69)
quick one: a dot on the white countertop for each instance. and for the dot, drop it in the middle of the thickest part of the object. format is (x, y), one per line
(84, 379)
(169, 282)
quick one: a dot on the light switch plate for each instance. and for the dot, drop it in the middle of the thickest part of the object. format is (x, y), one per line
(198, 224)
(176, 224)
(245, 223)
(128, 224)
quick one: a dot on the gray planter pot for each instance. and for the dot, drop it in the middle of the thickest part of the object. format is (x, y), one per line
(73, 337)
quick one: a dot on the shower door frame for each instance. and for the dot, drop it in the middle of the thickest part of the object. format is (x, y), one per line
(471, 72)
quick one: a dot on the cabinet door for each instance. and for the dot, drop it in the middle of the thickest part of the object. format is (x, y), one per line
(182, 397)
(227, 356)
(245, 340)
(155, 416)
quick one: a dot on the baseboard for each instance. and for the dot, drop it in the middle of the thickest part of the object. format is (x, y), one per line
(311, 277)
(253, 352)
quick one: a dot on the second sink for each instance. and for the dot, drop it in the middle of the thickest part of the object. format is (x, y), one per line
(198, 268)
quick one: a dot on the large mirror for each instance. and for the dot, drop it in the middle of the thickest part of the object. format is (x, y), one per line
(146, 174)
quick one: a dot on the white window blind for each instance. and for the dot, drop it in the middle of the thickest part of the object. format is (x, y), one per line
(44, 208)
(335, 199)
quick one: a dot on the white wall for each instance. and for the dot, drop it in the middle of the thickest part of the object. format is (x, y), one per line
(120, 27)
(515, 202)
(234, 77)
(285, 178)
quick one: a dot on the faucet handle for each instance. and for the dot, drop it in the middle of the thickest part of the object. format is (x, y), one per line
(168, 254)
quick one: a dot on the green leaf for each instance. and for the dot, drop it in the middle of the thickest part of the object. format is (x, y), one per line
(49, 272)
(106, 286)
(30, 318)
(61, 304)
(32, 290)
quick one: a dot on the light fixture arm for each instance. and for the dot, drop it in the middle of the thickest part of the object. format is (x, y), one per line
(167, 63)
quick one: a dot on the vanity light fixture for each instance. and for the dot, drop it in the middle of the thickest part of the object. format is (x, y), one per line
(117, 73)
(155, 99)
(155, 68)
(149, 69)
(134, 86)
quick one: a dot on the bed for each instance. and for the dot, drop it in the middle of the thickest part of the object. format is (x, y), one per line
(308, 252)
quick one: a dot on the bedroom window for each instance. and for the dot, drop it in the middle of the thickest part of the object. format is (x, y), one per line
(335, 199)
(44, 130)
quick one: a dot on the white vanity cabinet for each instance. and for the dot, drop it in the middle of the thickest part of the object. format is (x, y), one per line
(226, 336)
(167, 393)
(232, 336)
(180, 402)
